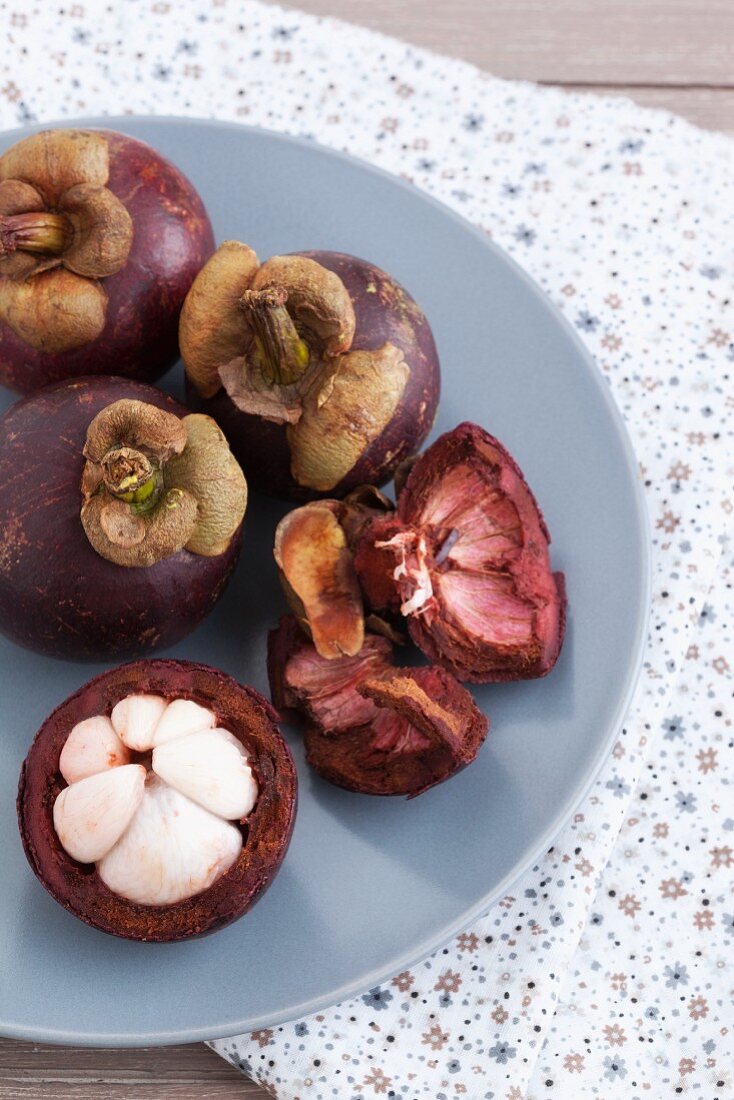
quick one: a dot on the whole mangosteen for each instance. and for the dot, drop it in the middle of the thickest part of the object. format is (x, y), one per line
(320, 368)
(120, 519)
(100, 239)
(157, 802)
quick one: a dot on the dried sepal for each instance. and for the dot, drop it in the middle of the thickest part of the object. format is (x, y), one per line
(55, 160)
(318, 577)
(207, 470)
(61, 174)
(465, 558)
(56, 311)
(102, 231)
(139, 541)
(154, 484)
(317, 300)
(371, 727)
(61, 230)
(136, 424)
(244, 384)
(19, 197)
(213, 330)
(333, 434)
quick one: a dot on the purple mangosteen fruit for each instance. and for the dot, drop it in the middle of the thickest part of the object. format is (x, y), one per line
(120, 519)
(319, 367)
(100, 240)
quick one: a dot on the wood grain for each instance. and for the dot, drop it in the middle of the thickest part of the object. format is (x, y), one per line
(675, 54)
(33, 1071)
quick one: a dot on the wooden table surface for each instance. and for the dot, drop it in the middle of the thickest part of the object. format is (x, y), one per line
(666, 53)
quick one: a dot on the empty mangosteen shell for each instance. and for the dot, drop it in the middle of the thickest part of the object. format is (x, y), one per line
(57, 595)
(172, 239)
(385, 313)
(375, 569)
(78, 888)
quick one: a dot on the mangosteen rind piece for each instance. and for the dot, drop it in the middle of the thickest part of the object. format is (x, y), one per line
(266, 833)
(370, 727)
(465, 559)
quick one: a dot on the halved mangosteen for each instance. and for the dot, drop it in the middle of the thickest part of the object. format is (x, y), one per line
(158, 801)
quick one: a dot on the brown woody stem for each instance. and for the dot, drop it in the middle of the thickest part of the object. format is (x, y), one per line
(130, 476)
(284, 356)
(40, 231)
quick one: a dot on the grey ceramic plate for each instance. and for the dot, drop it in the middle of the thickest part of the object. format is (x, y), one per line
(369, 885)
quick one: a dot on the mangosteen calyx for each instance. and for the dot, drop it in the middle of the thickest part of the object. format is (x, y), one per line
(278, 336)
(154, 484)
(61, 232)
(372, 727)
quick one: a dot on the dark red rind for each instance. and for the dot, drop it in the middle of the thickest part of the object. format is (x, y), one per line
(530, 571)
(386, 314)
(347, 757)
(57, 596)
(283, 642)
(78, 888)
(172, 240)
(351, 761)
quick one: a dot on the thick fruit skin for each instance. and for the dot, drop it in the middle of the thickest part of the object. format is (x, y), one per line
(172, 240)
(78, 888)
(527, 569)
(348, 755)
(57, 595)
(384, 312)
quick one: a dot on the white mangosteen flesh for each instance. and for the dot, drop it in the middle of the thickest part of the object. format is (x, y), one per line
(163, 828)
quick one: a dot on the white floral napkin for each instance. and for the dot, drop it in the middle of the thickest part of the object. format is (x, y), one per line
(608, 971)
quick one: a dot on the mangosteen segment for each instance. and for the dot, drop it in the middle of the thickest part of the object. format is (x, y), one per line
(466, 557)
(187, 815)
(56, 213)
(154, 484)
(369, 726)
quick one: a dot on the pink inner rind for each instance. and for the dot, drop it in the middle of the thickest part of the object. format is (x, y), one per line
(386, 748)
(497, 611)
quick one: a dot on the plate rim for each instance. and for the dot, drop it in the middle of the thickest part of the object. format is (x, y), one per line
(229, 1028)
